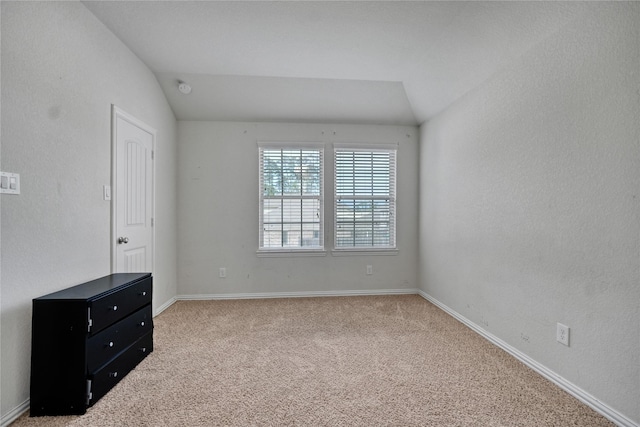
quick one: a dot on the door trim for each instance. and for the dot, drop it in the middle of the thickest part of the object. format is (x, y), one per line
(117, 113)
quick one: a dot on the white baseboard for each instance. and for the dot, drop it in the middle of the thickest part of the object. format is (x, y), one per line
(265, 295)
(561, 382)
(164, 306)
(14, 414)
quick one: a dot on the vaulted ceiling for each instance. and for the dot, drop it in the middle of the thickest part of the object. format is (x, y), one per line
(339, 62)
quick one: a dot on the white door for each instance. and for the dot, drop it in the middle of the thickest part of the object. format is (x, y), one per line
(132, 198)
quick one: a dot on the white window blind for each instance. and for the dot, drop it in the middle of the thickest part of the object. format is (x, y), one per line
(291, 197)
(365, 198)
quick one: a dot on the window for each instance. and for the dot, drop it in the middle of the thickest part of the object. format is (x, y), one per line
(291, 197)
(365, 197)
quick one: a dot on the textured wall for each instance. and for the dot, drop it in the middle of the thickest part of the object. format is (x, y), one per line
(61, 71)
(530, 204)
(218, 212)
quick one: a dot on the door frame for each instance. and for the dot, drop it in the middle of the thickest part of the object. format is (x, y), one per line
(117, 113)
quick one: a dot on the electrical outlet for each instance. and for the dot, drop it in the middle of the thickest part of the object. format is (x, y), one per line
(562, 334)
(223, 272)
(369, 270)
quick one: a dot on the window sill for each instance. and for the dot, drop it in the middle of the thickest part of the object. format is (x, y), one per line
(285, 253)
(364, 251)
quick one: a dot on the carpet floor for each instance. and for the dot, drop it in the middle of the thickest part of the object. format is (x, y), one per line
(339, 361)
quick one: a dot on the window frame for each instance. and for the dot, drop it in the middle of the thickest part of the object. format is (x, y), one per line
(392, 248)
(291, 250)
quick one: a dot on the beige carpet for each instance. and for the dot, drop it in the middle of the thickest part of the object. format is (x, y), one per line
(350, 361)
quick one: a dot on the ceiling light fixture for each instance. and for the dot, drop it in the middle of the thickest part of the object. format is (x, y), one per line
(184, 88)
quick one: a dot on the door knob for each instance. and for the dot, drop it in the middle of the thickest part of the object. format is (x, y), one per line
(123, 240)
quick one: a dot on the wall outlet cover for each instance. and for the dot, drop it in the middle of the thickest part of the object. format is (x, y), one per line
(562, 334)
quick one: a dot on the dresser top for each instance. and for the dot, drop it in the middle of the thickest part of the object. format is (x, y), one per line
(96, 288)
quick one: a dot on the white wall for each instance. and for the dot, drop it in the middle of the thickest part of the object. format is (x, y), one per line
(61, 71)
(530, 205)
(218, 213)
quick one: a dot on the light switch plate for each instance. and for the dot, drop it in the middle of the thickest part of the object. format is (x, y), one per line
(9, 183)
(106, 192)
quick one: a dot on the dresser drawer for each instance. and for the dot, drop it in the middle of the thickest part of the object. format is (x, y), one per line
(115, 306)
(105, 345)
(109, 375)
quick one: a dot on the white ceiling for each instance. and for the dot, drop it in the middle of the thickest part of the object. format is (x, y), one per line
(345, 62)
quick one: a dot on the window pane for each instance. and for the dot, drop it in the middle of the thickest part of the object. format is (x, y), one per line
(363, 211)
(290, 197)
(291, 235)
(291, 211)
(381, 234)
(311, 172)
(311, 234)
(310, 210)
(272, 235)
(272, 211)
(345, 211)
(272, 172)
(363, 173)
(291, 172)
(344, 236)
(363, 235)
(364, 198)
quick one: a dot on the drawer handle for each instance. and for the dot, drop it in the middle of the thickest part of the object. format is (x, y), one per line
(143, 349)
(113, 374)
(114, 308)
(143, 293)
(110, 343)
(141, 323)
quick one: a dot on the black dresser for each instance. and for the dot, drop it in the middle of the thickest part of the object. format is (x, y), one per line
(86, 338)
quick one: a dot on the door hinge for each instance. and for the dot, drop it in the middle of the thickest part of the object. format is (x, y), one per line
(89, 320)
(152, 222)
(153, 154)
